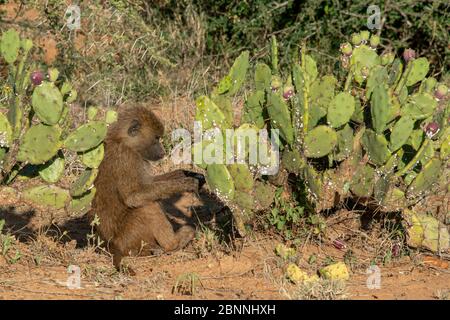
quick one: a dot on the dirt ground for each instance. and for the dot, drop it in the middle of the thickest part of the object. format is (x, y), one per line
(241, 269)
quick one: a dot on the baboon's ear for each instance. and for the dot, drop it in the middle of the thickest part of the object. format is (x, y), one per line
(134, 128)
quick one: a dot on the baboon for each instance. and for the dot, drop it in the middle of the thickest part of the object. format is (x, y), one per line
(131, 220)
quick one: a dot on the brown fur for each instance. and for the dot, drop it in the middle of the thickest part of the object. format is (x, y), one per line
(132, 221)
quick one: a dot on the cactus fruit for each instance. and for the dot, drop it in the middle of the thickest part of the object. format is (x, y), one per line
(419, 106)
(84, 182)
(83, 203)
(52, 171)
(425, 179)
(374, 41)
(356, 39)
(36, 78)
(346, 49)
(376, 146)
(242, 177)
(6, 132)
(86, 137)
(341, 109)
(51, 196)
(47, 102)
(441, 91)
(40, 144)
(280, 117)
(409, 54)
(93, 157)
(320, 141)
(10, 45)
(401, 132)
(220, 181)
(418, 70)
(431, 129)
(263, 76)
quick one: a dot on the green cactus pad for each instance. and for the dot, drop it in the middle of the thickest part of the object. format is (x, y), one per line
(72, 96)
(395, 72)
(40, 144)
(93, 157)
(292, 161)
(427, 85)
(53, 74)
(310, 68)
(341, 109)
(425, 179)
(82, 204)
(376, 146)
(209, 114)
(47, 102)
(84, 183)
(313, 181)
(377, 75)
(65, 88)
(363, 57)
(91, 113)
(242, 177)
(15, 114)
(10, 45)
(358, 115)
(322, 92)
(253, 109)
(320, 141)
(111, 116)
(379, 108)
(224, 85)
(416, 138)
(245, 138)
(419, 106)
(50, 196)
(264, 195)
(53, 170)
(197, 153)
(2, 155)
(363, 181)
(419, 69)
(345, 143)
(280, 117)
(263, 76)
(401, 132)
(224, 104)
(220, 181)
(244, 200)
(86, 137)
(6, 132)
(238, 72)
(445, 146)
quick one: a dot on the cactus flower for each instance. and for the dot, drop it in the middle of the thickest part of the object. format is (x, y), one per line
(441, 91)
(409, 54)
(346, 49)
(36, 77)
(431, 129)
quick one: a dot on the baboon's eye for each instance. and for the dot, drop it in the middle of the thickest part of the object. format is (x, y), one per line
(133, 130)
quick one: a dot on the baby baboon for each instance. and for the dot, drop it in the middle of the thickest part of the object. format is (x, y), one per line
(132, 221)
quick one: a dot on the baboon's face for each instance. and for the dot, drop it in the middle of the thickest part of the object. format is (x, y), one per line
(144, 135)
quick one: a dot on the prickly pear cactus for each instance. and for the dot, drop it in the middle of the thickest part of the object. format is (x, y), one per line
(36, 131)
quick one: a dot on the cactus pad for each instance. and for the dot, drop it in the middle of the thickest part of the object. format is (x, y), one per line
(83, 203)
(419, 69)
(320, 141)
(253, 109)
(292, 161)
(264, 195)
(401, 132)
(238, 72)
(341, 109)
(379, 108)
(93, 157)
(52, 171)
(263, 76)
(111, 116)
(86, 136)
(425, 179)
(51, 196)
(363, 181)
(280, 117)
(209, 114)
(6, 132)
(220, 181)
(39, 144)
(84, 183)
(10, 45)
(242, 177)
(91, 113)
(345, 143)
(419, 106)
(47, 102)
(376, 146)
